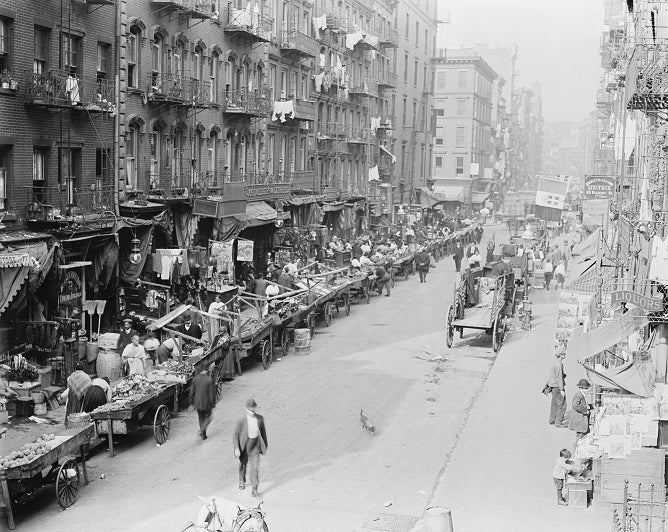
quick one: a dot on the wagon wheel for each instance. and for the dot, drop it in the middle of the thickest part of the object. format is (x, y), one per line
(449, 328)
(514, 301)
(218, 381)
(67, 483)
(346, 304)
(161, 424)
(328, 313)
(498, 332)
(459, 308)
(285, 342)
(266, 353)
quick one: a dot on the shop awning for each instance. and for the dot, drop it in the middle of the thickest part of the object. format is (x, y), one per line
(585, 277)
(450, 193)
(479, 198)
(588, 248)
(387, 152)
(257, 213)
(301, 200)
(333, 206)
(633, 377)
(584, 345)
(430, 199)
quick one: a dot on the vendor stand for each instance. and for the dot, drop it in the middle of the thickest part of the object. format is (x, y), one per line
(404, 265)
(252, 331)
(57, 453)
(137, 402)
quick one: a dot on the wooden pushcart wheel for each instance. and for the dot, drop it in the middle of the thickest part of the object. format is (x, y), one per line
(67, 483)
(285, 342)
(328, 314)
(497, 333)
(266, 354)
(449, 328)
(161, 424)
(218, 381)
(346, 305)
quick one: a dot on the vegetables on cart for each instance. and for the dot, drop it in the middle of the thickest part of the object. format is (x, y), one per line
(136, 386)
(28, 453)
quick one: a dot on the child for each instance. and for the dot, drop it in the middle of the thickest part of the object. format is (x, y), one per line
(560, 273)
(562, 467)
(548, 269)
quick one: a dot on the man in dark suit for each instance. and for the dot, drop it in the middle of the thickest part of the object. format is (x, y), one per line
(190, 328)
(579, 421)
(250, 441)
(458, 254)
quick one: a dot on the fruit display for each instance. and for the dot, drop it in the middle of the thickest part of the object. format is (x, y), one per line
(28, 453)
(112, 406)
(174, 367)
(136, 386)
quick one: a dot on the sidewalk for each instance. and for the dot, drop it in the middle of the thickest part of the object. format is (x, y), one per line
(500, 474)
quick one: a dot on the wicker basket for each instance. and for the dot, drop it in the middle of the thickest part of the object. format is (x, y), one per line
(78, 420)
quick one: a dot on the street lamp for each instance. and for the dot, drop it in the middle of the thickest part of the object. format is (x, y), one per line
(135, 251)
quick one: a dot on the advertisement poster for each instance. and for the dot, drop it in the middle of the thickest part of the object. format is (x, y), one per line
(220, 271)
(244, 250)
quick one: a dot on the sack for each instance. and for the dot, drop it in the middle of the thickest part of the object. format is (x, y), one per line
(546, 390)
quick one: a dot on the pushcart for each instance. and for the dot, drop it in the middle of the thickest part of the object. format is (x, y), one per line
(359, 287)
(67, 449)
(403, 266)
(153, 409)
(480, 302)
(288, 310)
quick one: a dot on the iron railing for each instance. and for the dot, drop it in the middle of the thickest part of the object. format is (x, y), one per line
(56, 88)
(389, 37)
(361, 135)
(166, 87)
(303, 179)
(194, 8)
(332, 129)
(249, 22)
(364, 87)
(245, 102)
(297, 42)
(387, 80)
(305, 110)
(65, 202)
(257, 177)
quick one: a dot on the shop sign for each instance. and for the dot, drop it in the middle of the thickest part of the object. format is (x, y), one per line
(15, 261)
(244, 250)
(652, 304)
(599, 186)
(70, 288)
(268, 191)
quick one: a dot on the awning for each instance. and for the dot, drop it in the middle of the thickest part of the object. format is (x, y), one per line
(588, 248)
(430, 199)
(387, 152)
(333, 206)
(585, 277)
(301, 200)
(450, 193)
(478, 197)
(257, 213)
(632, 376)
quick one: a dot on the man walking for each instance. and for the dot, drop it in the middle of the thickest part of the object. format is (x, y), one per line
(458, 254)
(250, 441)
(579, 421)
(383, 278)
(555, 381)
(422, 262)
(203, 399)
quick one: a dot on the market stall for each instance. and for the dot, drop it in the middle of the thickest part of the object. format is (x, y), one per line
(25, 470)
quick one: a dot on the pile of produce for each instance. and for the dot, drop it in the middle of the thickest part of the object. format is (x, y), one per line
(136, 386)
(110, 407)
(182, 369)
(28, 453)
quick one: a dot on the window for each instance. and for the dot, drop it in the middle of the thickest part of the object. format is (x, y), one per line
(417, 34)
(414, 114)
(131, 155)
(459, 165)
(71, 170)
(103, 55)
(440, 112)
(415, 74)
(461, 107)
(41, 53)
(440, 81)
(408, 25)
(439, 142)
(462, 80)
(5, 156)
(426, 40)
(404, 111)
(439, 162)
(72, 53)
(213, 78)
(406, 68)
(5, 30)
(284, 83)
(213, 158)
(40, 165)
(460, 137)
(304, 90)
(132, 53)
(103, 174)
(198, 63)
(425, 85)
(294, 85)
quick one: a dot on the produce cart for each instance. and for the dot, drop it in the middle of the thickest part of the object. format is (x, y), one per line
(360, 287)
(480, 302)
(62, 452)
(123, 415)
(252, 330)
(335, 293)
(404, 266)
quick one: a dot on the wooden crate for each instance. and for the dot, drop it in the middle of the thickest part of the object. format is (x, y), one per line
(646, 467)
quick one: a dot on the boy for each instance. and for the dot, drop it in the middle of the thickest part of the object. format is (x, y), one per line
(562, 467)
(548, 270)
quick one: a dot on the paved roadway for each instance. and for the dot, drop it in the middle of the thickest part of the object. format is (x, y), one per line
(322, 471)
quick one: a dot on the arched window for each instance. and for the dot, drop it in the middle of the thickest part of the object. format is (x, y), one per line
(156, 139)
(213, 159)
(177, 156)
(132, 154)
(213, 78)
(179, 60)
(198, 63)
(133, 45)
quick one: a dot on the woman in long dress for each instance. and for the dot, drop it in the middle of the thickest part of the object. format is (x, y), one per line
(135, 355)
(77, 385)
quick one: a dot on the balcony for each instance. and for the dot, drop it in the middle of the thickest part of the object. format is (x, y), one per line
(303, 180)
(331, 130)
(647, 78)
(300, 110)
(361, 136)
(200, 9)
(604, 100)
(387, 80)
(176, 185)
(196, 93)
(245, 103)
(45, 206)
(249, 24)
(168, 88)
(389, 38)
(387, 121)
(57, 89)
(296, 44)
(364, 87)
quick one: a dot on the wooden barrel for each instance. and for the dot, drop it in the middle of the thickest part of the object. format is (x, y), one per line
(108, 365)
(82, 349)
(302, 340)
(91, 351)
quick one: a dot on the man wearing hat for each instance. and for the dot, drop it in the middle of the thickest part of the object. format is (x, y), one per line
(556, 383)
(250, 441)
(458, 253)
(127, 332)
(579, 421)
(190, 328)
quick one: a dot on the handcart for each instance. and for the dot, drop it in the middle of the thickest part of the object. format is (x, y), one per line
(480, 302)
(67, 448)
(153, 409)
(288, 310)
(359, 287)
(404, 266)
(252, 330)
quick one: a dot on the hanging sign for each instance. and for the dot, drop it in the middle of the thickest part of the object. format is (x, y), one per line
(70, 288)
(245, 250)
(652, 304)
(15, 261)
(599, 186)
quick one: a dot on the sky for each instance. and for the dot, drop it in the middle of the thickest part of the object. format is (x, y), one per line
(558, 45)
